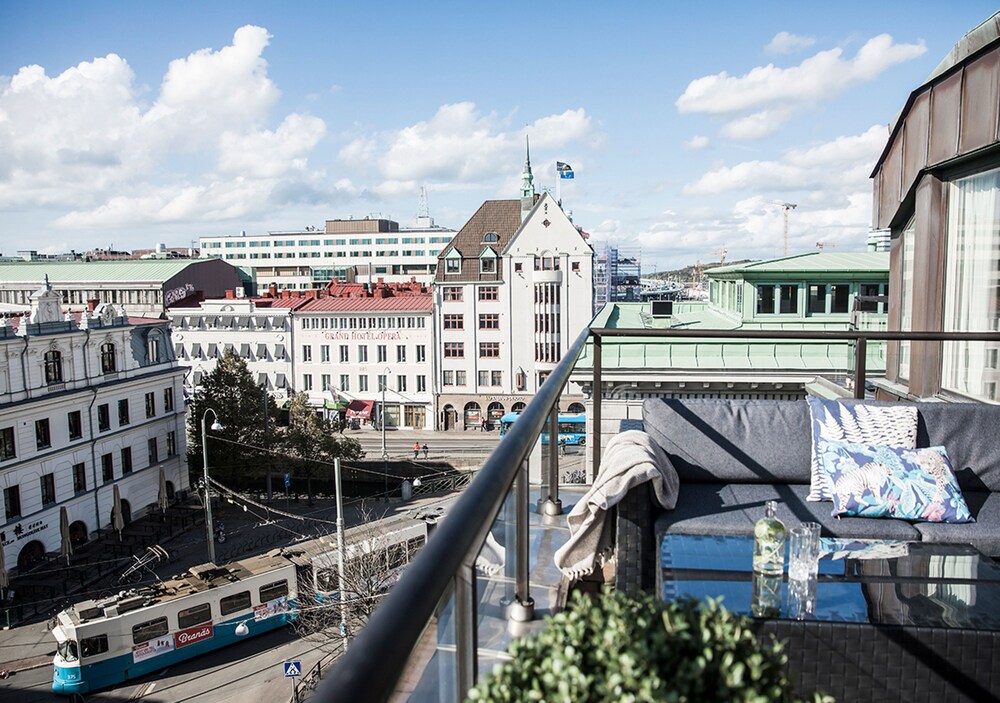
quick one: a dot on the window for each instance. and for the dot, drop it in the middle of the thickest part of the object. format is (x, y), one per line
(195, 615)
(453, 265)
(401, 384)
(345, 382)
(488, 264)
(788, 299)
(421, 384)
(454, 322)
(489, 293)
(344, 354)
(146, 631)
(150, 405)
(421, 353)
(518, 267)
(971, 289)
(382, 353)
(79, 478)
(12, 502)
(108, 362)
(168, 399)
(153, 450)
(324, 352)
(273, 591)
(171, 443)
(75, 423)
(307, 382)
(454, 350)
(489, 350)
(448, 378)
(817, 299)
(48, 485)
(307, 353)
(451, 294)
(484, 378)
(400, 353)
(460, 378)
(489, 321)
(491, 237)
(542, 376)
(783, 299)
(362, 383)
(126, 454)
(7, 448)
(324, 382)
(496, 378)
(43, 439)
(383, 381)
(103, 417)
(53, 367)
(123, 417)
(107, 468)
(92, 646)
(574, 266)
(234, 603)
(362, 354)
(153, 347)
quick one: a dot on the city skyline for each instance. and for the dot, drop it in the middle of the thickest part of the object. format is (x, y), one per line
(686, 127)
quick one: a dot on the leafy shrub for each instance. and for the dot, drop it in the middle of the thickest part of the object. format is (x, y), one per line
(616, 648)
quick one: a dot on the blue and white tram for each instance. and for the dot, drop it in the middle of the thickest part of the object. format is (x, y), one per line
(139, 631)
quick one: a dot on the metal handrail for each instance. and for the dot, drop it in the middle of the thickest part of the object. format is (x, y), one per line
(370, 669)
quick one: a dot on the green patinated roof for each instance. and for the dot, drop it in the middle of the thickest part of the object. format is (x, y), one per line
(816, 262)
(132, 270)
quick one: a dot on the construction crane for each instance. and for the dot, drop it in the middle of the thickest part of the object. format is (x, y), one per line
(822, 245)
(721, 251)
(785, 207)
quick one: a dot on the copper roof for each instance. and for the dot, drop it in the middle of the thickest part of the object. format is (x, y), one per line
(500, 216)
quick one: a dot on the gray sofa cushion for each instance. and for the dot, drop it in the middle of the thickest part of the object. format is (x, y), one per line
(983, 534)
(743, 441)
(732, 509)
(971, 434)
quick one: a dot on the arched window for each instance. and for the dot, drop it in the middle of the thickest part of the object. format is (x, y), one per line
(53, 367)
(108, 363)
(491, 237)
(153, 347)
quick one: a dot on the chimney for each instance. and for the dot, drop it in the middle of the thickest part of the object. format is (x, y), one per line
(272, 290)
(230, 295)
(92, 304)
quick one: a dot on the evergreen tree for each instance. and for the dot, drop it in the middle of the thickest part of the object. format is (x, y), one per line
(313, 443)
(240, 404)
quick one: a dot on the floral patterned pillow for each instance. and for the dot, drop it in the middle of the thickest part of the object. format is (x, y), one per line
(881, 481)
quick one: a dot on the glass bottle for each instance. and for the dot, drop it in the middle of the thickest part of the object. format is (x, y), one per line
(769, 542)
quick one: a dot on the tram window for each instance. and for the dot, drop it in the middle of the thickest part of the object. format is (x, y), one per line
(145, 631)
(273, 591)
(397, 556)
(326, 580)
(230, 604)
(414, 543)
(67, 650)
(92, 646)
(194, 616)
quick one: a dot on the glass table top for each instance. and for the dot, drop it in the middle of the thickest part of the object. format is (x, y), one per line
(880, 582)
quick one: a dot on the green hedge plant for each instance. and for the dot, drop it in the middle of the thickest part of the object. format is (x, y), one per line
(615, 648)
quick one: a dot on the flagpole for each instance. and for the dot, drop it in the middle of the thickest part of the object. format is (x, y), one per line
(558, 187)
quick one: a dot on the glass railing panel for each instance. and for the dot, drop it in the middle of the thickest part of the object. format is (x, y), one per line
(431, 672)
(495, 586)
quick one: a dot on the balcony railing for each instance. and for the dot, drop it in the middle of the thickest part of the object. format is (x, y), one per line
(437, 629)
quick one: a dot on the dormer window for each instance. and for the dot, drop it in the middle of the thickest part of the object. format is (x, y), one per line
(453, 266)
(488, 261)
(108, 363)
(53, 367)
(491, 237)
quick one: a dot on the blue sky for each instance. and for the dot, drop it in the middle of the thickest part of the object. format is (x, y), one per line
(136, 123)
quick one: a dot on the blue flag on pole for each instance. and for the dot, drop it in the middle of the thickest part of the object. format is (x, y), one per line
(565, 170)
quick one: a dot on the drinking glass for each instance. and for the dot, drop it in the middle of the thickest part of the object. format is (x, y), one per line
(803, 552)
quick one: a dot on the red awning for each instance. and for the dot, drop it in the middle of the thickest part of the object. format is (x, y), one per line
(360, 409)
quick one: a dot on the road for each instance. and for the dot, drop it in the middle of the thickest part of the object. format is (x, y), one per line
(440, 445)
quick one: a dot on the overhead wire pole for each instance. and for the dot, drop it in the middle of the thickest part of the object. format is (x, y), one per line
(340, 552)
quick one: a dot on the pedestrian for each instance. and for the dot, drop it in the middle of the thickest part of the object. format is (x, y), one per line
(425, 450)
(416, 449)
(482, 425)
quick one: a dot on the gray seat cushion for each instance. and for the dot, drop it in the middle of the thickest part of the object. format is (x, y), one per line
(742, 441)
(732, 509)
(983, 534)
(971, 434)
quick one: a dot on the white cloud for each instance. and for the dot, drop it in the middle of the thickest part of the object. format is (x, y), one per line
(697, 142)
(267, 154)
(460, 145)
(772, 94)
(786, 43)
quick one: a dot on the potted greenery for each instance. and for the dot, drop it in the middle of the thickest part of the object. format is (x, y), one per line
(615, 648)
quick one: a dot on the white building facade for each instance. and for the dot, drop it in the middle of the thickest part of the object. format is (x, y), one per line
(511, 292)
(346, 250)
(369, 356)
(86, 406)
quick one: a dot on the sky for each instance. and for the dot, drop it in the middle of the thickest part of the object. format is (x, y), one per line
(687, 124)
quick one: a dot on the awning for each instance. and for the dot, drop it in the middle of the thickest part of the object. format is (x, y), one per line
(245, 351)
(261, 352)
(360, 409)
(262, 380)
(197, 378)
(179, 350)
(279, 381)
(196, 351)
(213, 351)
(279, 351)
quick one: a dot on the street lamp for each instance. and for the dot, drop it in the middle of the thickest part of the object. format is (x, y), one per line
(216, 426)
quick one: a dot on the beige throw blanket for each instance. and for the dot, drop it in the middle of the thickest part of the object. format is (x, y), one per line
(630, 458)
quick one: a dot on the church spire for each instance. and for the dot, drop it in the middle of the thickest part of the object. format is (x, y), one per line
(527, 182)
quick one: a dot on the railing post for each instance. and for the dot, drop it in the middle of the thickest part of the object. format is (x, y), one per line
(466, 644)
(860, 359)
(595, 443)
(523, 607)
(550, 504)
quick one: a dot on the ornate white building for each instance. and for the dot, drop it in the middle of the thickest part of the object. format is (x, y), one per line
(511, 291)
(88, 403)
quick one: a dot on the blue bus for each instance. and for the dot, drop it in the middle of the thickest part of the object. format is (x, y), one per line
(572, 428)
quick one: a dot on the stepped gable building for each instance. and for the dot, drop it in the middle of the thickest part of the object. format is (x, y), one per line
(89, 402)
(510, 289)
(144, 288)
(367, 351)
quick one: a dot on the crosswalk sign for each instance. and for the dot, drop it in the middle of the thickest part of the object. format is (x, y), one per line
(293, 669)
